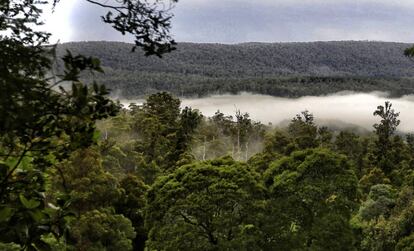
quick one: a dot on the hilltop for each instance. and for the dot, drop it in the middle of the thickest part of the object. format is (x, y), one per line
(281, 69)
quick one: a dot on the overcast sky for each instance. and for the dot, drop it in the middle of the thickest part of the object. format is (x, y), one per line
(235, 21)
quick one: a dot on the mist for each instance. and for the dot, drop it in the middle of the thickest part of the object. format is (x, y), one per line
(347, 109)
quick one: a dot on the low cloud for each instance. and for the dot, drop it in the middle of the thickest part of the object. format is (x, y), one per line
(346, 108)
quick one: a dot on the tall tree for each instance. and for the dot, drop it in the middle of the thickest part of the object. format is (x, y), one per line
(384, 131)
(165, 131)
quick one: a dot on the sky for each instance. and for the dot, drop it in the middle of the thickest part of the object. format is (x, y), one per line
(238, 21)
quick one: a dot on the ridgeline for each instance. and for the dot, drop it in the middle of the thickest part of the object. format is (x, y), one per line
(278, 69)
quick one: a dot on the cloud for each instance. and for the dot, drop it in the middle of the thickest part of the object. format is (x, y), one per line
(234, 21)
(272, 21)
(284, 3)
(349, 108)
(57, 22)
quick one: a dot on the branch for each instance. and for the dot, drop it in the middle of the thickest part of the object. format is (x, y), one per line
(117, 8)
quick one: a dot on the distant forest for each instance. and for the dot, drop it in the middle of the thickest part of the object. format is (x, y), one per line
(278, 69)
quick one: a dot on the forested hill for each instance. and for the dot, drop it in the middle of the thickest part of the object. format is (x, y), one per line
(269, 68)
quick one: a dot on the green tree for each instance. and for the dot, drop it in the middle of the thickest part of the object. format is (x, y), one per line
(276, 145)
(375, 176)
(102, 230)
(384, 131)
(156, 123)
(350, 144)
(41, 123)
(381, 200)
(94, 197)
(212, 205)
(132, 204)
(394, 229)
(88, 185)
(312, 195)
(304, 131)
(165, 131)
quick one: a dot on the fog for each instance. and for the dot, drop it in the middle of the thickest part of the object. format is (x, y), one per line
(351, 108)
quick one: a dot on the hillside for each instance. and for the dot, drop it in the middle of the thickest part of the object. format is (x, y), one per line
(281, 69)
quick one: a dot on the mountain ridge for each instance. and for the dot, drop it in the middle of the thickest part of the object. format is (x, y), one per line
(266, 68)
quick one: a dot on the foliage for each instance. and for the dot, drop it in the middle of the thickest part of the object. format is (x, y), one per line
(385, 130)
(282, 69)
(131, 205)
(139, 184)
(303, 130)
(42, 123)
(85, 181)
(102, 230)
(313, 195)
(381, 200)
(165, 131)
(213, 206)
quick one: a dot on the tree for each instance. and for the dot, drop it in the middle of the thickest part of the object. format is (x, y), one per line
(394, 229)
(350, 144)
(381, 200)
(303, 130)
(39, 128)
(384, 131)
(42, 123)
(102, 230)
(211, 205)
(156, 124)
(276, 145)
(83, 178)
(312, 195)
(189, 121)
(98, 200)
(131, 205)
(165, 131)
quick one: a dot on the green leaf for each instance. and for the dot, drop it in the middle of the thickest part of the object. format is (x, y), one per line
(37, 215)
(29, 204)
(5, 214)
(96, 135)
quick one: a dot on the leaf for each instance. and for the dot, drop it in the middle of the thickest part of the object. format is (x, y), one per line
(37, 215)
(96, 136)
(5, 214)
(29, 204)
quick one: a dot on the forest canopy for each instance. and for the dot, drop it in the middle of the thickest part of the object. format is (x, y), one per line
(277, 69)
(80, 172)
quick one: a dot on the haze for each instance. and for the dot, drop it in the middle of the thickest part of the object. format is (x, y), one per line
(350, 108)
